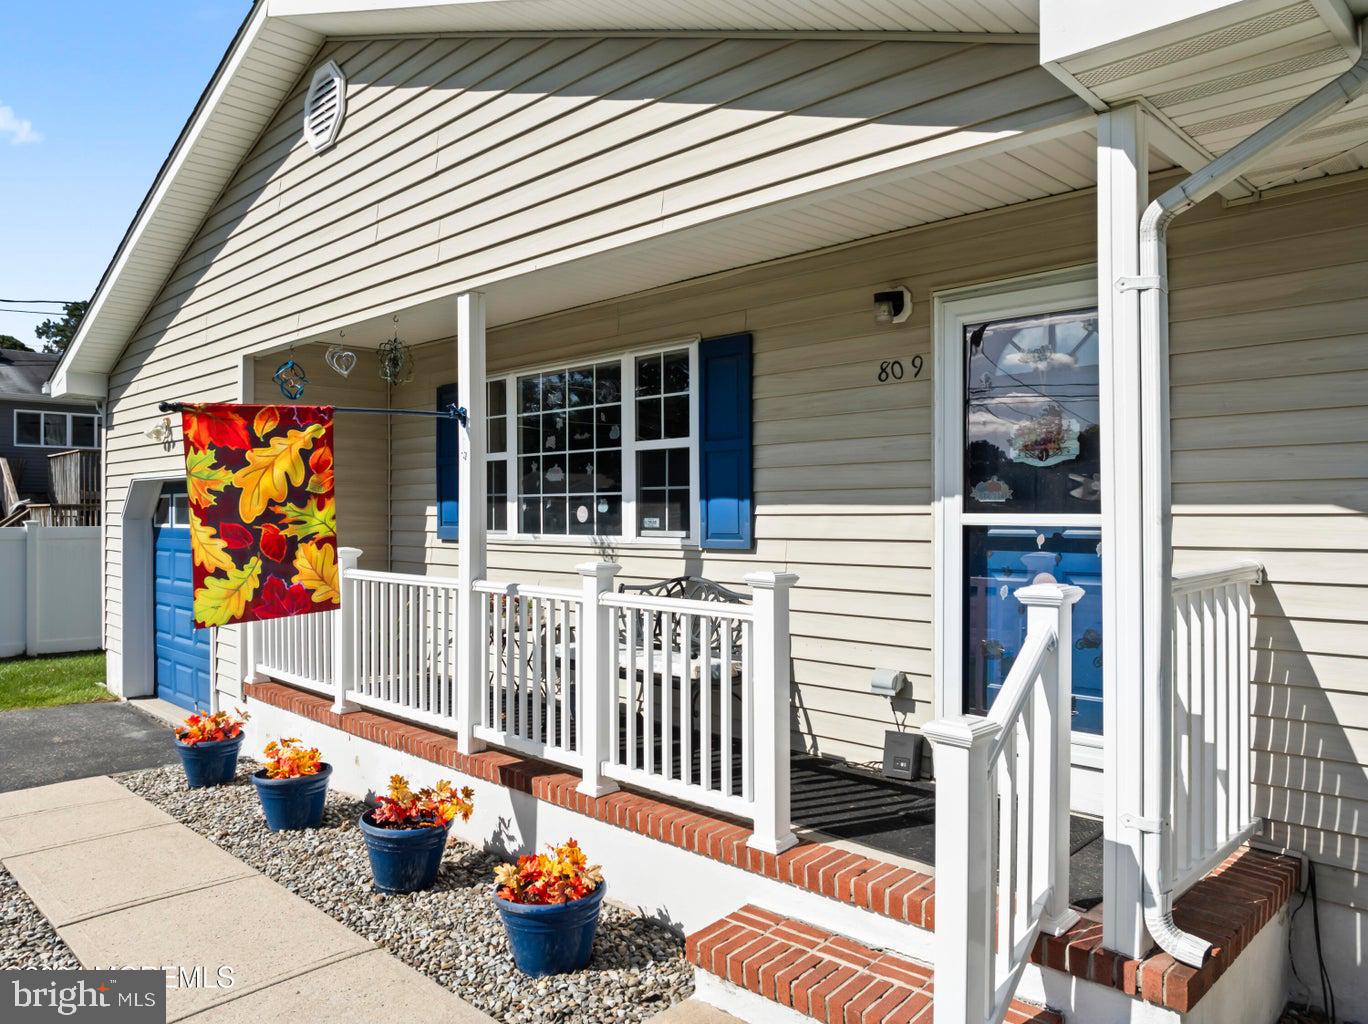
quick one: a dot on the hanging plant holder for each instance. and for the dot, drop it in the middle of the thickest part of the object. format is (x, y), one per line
(396, 360)
(291, 379)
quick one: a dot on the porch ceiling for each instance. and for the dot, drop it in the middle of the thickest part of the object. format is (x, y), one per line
(1221, 75)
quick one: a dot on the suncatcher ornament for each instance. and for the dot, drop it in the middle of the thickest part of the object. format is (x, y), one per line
(291, 379)
(396, 361)
(263, 519)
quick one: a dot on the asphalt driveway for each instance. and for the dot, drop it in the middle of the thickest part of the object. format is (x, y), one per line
(77, 741)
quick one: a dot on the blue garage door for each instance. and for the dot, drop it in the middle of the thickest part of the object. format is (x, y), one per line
(182, 650)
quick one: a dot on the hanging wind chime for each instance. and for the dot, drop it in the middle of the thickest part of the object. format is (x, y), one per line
(290, 378)
(396, 360)
(340, 359)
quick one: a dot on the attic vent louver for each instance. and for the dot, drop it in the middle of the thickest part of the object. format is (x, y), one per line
(325, 106)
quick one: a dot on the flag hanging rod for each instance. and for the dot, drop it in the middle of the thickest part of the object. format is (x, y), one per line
(451, 412)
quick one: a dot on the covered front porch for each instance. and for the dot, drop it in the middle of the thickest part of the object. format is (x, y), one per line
(510, 625)
(742, 692)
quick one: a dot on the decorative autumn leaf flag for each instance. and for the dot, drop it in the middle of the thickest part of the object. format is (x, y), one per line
(263, 519)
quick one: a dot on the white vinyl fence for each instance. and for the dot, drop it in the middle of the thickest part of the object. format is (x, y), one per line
(49, 589)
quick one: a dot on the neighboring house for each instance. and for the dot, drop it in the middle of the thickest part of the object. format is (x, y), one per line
(35, 426)
(847, 309)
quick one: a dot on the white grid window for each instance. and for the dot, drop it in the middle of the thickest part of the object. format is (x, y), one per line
(602, 449)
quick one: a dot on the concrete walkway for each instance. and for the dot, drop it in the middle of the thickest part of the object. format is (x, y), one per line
(126, 885)
(76, 741)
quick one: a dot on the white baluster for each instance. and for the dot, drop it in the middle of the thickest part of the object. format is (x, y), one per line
(1050, 607)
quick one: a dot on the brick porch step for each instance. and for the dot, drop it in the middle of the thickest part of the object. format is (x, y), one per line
(824, 976)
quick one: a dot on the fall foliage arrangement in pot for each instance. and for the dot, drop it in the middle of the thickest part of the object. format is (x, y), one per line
(208, 746)
(406, 832)
(292, 785)
(550, 904)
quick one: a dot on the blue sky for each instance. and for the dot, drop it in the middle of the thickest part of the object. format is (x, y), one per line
(92, 95)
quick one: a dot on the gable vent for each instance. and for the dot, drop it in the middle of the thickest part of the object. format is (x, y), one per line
(325, 106)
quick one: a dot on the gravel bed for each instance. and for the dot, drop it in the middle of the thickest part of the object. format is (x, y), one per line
(450, 932)
(27, 941)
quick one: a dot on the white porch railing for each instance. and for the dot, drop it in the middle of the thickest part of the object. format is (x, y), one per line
(681, 679)
(1002, 821)
(1211, 810)
(684, 698)
(530, 673)
(400, 634)
(297, 650)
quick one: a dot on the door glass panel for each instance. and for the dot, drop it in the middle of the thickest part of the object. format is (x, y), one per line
(1031, 416)
(999, 561)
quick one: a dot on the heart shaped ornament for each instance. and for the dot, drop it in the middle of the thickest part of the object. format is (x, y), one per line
(340, 360)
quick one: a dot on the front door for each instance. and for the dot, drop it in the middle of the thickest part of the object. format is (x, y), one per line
(1019, 469)
(182, 651)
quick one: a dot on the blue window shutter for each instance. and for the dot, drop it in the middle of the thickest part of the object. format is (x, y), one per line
(724, 449)
(448, 460)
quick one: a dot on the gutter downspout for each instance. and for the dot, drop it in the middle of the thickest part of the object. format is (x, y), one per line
(1156, 525)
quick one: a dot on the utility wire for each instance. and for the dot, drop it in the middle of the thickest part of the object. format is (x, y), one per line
(37, 312)
(44, 302)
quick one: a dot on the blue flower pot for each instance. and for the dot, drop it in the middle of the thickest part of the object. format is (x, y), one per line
(553, 939)
(209, 764)
(293, 803)
(404, 860)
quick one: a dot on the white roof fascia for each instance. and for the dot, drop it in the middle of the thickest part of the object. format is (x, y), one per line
(992, 21)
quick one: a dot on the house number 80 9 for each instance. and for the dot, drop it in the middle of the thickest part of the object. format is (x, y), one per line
(892, 369)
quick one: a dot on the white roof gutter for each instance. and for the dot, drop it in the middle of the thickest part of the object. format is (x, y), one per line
(1156, 501)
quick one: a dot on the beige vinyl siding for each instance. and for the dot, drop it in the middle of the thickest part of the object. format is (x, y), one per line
(1270, 461)
(464, 159)
(842, 466)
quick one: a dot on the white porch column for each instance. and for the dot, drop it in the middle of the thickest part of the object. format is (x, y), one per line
(344, 671)
(1122, 194)
(597, 692)
(770, 681)
(471, 554)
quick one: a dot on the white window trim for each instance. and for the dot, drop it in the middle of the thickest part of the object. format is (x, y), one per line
(631, 536)
(952, 310)
(56, 412)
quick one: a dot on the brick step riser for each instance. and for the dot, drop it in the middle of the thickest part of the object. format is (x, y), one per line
(809, 973)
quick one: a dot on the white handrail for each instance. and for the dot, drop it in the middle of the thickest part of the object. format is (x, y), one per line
(1002, 820)
(1201, 579)
(1020, 686)
(450, 582)
(677, 605)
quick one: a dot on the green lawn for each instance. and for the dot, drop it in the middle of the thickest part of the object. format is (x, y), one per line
(54, 679)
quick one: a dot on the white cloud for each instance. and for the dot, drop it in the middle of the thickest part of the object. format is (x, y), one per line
(19, 129)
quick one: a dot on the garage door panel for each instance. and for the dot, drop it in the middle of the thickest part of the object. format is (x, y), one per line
(182, 651)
